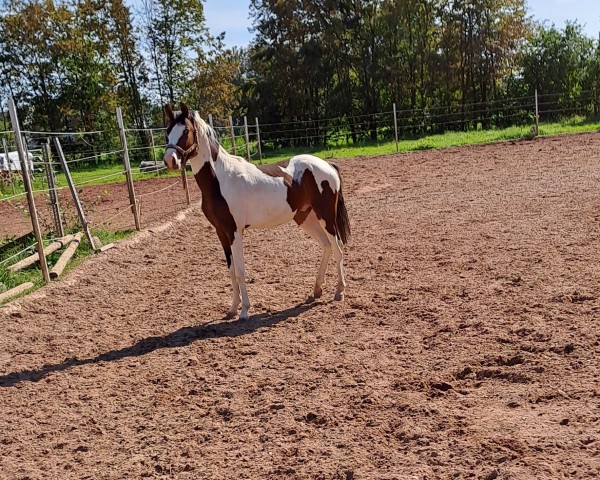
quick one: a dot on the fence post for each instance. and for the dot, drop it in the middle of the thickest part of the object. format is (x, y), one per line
(127, 165)
(27, 183)
(232, 135)
(210, 120)
(247, 138)
(184, 181)
(537, 115)
(395, 127)
(47, 155)
(153, 149)
(9, 165)
(258, 140)
(80, 213)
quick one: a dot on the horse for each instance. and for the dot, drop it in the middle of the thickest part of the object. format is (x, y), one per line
(238, 195)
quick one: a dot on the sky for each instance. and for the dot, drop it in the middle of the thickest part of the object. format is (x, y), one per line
(232, 16)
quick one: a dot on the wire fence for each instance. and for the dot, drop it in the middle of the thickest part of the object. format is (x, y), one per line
(63, 163)
(128, 155)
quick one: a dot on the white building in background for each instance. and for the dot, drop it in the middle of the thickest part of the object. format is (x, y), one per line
(14, 164)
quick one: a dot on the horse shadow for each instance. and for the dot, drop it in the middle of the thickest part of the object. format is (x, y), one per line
(179, 338)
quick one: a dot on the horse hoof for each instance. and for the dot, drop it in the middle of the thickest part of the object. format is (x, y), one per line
(229, 315)
(339, 296)
(317, 293)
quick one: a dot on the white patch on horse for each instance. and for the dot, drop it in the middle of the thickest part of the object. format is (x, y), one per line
(174, 136)
(321, 170)
(254, 198)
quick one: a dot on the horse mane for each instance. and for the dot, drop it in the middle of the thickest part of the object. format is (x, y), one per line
(205, 131)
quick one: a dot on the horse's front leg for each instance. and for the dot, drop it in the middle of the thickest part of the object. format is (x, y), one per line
(240, 272)
(235, 302)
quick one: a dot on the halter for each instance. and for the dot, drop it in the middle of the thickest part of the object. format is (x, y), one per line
(184, 153)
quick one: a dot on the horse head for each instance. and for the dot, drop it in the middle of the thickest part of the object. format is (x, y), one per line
(189, 138)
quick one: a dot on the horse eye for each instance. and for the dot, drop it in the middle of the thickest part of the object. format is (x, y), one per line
(186, 131)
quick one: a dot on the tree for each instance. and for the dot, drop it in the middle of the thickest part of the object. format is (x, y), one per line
(175, 29)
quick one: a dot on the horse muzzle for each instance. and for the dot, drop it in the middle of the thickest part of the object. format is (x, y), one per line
(171, 162)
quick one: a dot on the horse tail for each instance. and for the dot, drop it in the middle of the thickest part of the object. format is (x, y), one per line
(342, 222)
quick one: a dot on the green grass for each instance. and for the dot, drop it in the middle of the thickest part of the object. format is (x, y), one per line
(92, 175)
(33, 273)
(449, 139)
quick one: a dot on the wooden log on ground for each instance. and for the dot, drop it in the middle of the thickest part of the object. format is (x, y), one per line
(31, 259)
(106, 247)
(13, 292)
(65, 257)
(150, 166)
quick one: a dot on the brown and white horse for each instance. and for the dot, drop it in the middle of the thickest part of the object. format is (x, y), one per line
(237, 195)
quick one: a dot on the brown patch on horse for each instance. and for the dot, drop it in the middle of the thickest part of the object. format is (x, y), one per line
(215, 208)
(304, 196)
(275, 170)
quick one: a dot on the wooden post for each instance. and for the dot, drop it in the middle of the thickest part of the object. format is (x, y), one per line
(258, 140)
(13, 292)
(210, 120)
(27, 183)
(537, 115)
(395, 127)
(8, 164)
(232, 135)
(153, 149)
(65, 257)
(127, 165)
(78, 207)
(47, 155)
(184, 181)
(53, 247)
(247, 138)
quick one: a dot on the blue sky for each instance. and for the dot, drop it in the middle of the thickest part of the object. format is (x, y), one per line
(231, 16)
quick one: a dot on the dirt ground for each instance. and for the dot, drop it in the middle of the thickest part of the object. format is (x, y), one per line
(467, 347)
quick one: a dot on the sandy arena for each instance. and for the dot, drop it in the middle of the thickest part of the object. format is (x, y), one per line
(468, 345)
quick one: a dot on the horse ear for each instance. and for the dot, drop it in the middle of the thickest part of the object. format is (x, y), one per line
(184, 110)
(169, 112)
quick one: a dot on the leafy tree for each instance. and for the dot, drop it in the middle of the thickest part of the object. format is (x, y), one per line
(559, 62)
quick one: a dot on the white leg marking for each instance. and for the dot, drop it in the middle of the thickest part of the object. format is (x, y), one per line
(339, 259)
(240, 272)
(235, 303)
(313, 228)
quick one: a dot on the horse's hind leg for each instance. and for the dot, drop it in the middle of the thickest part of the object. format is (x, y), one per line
(338, 255)
(314, 229)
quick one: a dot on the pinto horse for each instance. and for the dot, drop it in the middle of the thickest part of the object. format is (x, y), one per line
(237, 195)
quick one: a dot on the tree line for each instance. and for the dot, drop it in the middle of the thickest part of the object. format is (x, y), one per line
(69, 63)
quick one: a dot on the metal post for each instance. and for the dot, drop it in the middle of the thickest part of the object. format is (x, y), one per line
(127, 165)
(537, 115)
(9, 165)
(210, 120)
(247, 138)
(232, 135)
(395, 127)
(14, 120)
(47, 155)
(258, 140)
(80, 213)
